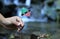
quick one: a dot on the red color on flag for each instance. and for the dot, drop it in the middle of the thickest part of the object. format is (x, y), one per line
(28, 14)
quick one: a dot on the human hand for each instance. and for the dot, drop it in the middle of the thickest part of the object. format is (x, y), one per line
(12, 22)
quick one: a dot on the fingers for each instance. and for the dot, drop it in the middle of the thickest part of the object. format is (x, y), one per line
(20, 22)
(16, 23)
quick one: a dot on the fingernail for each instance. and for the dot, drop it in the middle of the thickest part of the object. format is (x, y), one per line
(18, 23)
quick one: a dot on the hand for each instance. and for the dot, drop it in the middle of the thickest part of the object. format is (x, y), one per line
(12, 22)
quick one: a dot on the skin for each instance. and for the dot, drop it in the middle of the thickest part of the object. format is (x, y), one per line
(11, 22)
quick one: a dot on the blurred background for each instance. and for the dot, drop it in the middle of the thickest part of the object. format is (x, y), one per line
(40, 17)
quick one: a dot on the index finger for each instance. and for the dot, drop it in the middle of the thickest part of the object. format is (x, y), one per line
(20, 21)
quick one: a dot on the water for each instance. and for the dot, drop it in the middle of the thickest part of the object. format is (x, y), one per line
(43, 28)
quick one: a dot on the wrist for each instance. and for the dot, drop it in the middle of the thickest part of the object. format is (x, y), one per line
(1, 18)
